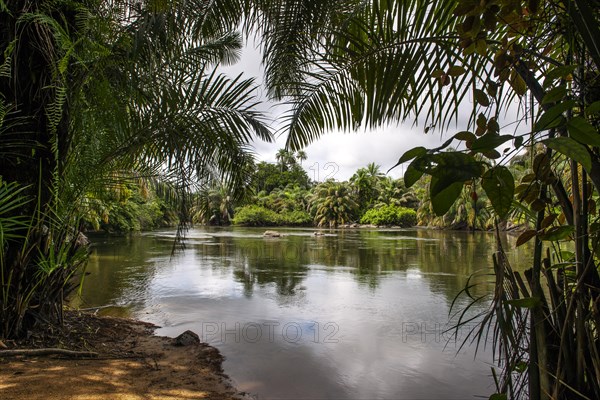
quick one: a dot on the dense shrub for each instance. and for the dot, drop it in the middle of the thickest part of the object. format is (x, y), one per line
(254, 215)
(297, 218)
(407, 217)
(390, 215)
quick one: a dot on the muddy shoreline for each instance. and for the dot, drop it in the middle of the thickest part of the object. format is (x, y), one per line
(128, 362)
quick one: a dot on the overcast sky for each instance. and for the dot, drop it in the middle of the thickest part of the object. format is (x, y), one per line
(338, 155)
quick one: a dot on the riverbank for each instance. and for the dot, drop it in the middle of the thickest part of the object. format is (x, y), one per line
(123, 360)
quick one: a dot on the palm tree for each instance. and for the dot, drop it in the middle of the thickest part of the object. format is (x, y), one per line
(116, 93)
(301, 156)
(393, 192)
(331, 204)
(374, 171)
(366, 185)
(285, 158)
(213, 205)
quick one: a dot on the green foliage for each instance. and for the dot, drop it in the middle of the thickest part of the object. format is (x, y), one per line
(269, 177)
(407, 218)
(126, 208)
(365, 185)
(254, 215)
(499, 185)
(449, 171)
(93, 95)
(11, 198)
(289, 198)
(47, 274)
(332, 204)
(393, 192)
(213, 206)
(296, 218)
(390, 215)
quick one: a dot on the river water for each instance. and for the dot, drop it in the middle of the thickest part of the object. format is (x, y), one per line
(356, 314)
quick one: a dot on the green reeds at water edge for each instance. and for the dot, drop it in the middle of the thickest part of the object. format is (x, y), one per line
(37, 270)
(543, 326)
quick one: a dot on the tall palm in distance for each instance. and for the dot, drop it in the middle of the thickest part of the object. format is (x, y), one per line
(366, 185)
(374, 171)
(301, 156)
(285, 159)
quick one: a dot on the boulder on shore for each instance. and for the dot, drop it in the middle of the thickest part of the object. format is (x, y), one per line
(187, 338)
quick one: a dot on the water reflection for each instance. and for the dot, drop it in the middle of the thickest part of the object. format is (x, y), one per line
(352, 314)
(120, 270)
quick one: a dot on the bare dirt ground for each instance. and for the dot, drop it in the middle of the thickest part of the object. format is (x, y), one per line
(131, 363)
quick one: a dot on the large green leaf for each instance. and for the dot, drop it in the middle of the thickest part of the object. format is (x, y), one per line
(559, 72)
(456, 70)
(481, 98)
(554, 95)
(410, 154)
(499, 185)
(447, 169)
(460, 166)
(443, 200)
(489, 142)
(553, 116)
(593, 108)
(557, 233)
(571, 149)
(411, 175)
(582, 131)
(517, 83)
(466, 136)
(448, 177)
(526, 237)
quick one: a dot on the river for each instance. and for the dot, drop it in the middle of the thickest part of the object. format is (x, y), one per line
(355, 314)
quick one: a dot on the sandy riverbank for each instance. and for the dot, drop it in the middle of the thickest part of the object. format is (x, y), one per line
(131, 363)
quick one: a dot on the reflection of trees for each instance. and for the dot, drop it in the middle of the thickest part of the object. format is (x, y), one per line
(443, 259)
(282, 262)
(119, 265)
(461, 254)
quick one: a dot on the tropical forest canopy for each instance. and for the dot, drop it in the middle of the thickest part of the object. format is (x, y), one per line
(103, 101)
